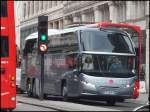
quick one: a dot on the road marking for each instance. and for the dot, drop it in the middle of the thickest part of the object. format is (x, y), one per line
(19, 104)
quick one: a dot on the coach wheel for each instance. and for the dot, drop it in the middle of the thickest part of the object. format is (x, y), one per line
(122, 100)
(45, 96)
(29, 92)
(111, 102)
(65, 92)
(21, 91)
(34, 89)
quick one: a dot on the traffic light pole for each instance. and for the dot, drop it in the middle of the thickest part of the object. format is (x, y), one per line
(42, 77)
(42, 48)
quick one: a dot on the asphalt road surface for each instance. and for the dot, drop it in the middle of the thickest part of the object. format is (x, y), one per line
(28, 107)
(25, 103)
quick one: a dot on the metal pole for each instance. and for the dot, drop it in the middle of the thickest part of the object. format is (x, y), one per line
(42, 77)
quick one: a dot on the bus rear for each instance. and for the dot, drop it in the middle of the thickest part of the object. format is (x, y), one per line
(8, 56)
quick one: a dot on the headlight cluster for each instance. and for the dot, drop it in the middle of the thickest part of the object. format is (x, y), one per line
(88, 84)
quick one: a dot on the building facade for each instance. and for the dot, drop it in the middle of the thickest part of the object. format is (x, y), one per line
(62, 14)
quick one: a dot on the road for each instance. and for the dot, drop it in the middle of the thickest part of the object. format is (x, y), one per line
(28, 107)
(25, 103)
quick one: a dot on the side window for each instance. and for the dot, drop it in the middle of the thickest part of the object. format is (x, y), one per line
(30, 46)
(71, 41)
(71, 61)
(3, 8)
(4, 50)
(66, 42)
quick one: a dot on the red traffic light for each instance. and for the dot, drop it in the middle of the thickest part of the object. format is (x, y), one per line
(43, 47)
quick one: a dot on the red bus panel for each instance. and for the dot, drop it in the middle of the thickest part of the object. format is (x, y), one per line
(8, 60)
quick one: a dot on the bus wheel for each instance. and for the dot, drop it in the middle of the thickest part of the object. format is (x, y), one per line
(111, 102)
(29, 92)
(65, 92)
(34, 89)
(45, 96)
(122, 100)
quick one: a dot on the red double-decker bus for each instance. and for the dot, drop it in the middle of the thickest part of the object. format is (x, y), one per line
(8, 56)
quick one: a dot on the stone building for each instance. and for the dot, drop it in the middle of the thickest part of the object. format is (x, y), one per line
(62, 14)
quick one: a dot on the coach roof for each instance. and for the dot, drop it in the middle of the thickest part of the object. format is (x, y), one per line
(35, 35)
(57, 31)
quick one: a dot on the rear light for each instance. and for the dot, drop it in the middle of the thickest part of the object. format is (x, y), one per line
(13, 78)
(13, 98)
(136, 89)
(13, 85)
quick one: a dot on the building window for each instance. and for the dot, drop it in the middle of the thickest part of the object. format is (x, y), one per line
(28, 8)
(50, 25)
(57, 2)
(46, 5)
(24, 10)
(32, 7)
(50, 4)
(90, 17)
(121, 14)
(37, 6)
(54, 3)
(105, 13)
(140, 8)
(41, 5)
(57, 25)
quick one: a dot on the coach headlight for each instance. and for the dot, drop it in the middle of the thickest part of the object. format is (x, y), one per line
(87, 84)
(127, 86)
(133, 70)
(76, 78)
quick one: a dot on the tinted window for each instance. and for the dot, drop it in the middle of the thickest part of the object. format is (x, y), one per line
(71, 61)
(4, 47)
(103, 41)
(30, 45)
(63, 39)
(3, 8)
(65, 42)
(108, 64)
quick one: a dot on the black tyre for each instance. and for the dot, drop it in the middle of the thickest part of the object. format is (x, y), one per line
(34, 90)
(21, 91)
(65, 92)
(111, 102)
(7, 110)
(122, 100)
(45, 96)
(29, 89)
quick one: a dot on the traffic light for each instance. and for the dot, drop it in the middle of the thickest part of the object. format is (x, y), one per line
(42, 33)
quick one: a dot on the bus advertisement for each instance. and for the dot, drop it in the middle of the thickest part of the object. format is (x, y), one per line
(93, 61)
(8, 56)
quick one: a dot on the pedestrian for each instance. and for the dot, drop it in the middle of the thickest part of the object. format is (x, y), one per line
(116, 66)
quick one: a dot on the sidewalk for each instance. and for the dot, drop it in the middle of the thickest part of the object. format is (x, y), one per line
(143, 98)
(142, 87)
(61, 106)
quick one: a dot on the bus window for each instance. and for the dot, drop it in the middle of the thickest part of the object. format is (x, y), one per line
(4, 52)
(71, 61)
(3, 8)
(29, 46)
(102, 41)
